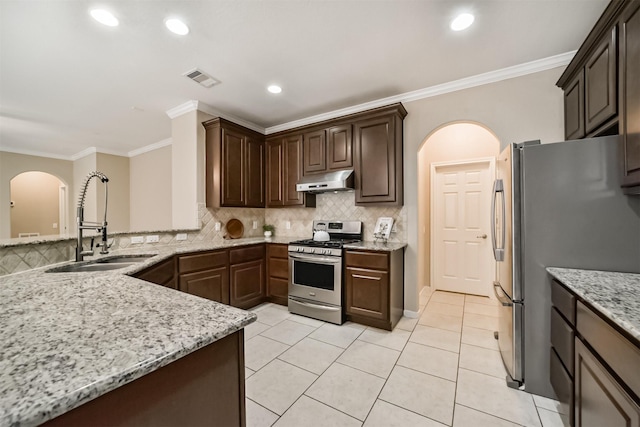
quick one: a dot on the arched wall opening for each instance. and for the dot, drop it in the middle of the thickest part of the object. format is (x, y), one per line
(38, 205)
(456, 141)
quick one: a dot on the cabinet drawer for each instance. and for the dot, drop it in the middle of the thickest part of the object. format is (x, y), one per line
(278, 251)
(560, 380)
(564, 301)
(201, 261)
(246, 254)
(562, 336)
(377, 260)
(617, 351)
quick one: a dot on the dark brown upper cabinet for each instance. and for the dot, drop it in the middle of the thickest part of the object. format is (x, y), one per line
(609, 61)
(235, 165)
(377, 142)
(339, 147)
(574, 108)
(601, 96)
(284, 170)
(328, 150)
(315, 152)
(630, 96)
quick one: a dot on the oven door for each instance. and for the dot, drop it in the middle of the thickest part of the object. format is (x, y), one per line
(316, 278)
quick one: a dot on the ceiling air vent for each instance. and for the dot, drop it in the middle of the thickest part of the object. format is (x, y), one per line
(201, 78)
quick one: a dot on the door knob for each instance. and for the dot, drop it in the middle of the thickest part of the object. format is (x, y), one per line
(482, 236)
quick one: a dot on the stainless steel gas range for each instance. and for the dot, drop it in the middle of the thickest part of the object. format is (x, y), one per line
(315, 283)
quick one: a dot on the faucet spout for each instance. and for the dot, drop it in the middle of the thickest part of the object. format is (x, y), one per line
(82, 224)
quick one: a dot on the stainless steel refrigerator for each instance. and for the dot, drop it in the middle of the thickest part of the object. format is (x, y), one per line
(554, 205)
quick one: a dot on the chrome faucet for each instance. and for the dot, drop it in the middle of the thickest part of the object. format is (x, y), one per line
(82, 224)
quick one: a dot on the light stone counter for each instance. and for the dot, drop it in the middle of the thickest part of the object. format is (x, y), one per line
(376, 246)
(616, 295)
(68, 338)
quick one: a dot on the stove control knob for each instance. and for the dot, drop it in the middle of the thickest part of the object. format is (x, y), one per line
(299, 249)
(327, 251)
(312, 251)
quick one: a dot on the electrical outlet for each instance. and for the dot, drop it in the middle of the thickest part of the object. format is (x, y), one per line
(394, 229)
(181, 236)
(255, 224)
(55, 225)
(137, 239)
(217, 226)
(287, 225)
(153, 239)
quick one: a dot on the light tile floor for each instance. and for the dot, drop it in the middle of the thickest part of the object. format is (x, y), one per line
(443, 369)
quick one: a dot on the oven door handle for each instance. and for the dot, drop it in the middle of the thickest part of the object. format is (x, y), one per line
(318, 306)
(317, 259)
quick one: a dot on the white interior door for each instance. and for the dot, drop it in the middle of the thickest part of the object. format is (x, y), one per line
(461, 256)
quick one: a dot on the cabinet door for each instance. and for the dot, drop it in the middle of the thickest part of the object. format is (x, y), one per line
(160, 274)
(292, 170)
(315, 152)
(574, 108)
(376, 160)
(600, 78)
(233, 172)
(630, 96)
(339, 143)
(211, 284)
(367, 293)
(275, 173)
(247, 284)
(599, 399)
(255, 174)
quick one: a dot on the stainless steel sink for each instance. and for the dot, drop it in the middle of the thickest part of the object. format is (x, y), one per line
(102, 264)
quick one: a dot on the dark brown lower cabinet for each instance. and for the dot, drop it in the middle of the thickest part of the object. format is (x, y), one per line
(212, 284)
(247, 284)
(205, 387)
(599, 398)
(163, 273)
(374, 287)
(277, 273)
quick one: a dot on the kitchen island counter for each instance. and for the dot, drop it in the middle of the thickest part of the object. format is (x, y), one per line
(68, 338)
(614, 294)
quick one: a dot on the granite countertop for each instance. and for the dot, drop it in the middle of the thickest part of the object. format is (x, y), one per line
(68, 338)
(613, 294)
(376, 246)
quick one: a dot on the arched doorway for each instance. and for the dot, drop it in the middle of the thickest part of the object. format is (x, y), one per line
(451, 143)
(38, 205)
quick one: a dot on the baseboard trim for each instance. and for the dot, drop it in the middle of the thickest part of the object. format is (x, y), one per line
(411, 314)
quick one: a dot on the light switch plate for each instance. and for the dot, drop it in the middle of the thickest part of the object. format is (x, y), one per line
(217, 226)
(137, 239)
(153, 239)
(287, 225)
(181, 236)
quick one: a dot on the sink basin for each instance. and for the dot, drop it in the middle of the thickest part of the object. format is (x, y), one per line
(102, 264)
(130, 259)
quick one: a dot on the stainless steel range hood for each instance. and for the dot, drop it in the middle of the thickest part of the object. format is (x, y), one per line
(330, 181)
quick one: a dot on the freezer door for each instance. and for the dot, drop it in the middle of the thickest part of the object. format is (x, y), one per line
(510, 337)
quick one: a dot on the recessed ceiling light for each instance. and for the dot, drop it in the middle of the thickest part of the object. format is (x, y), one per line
(462, 21)
(177, 26)
(104, 17)
(274, 89)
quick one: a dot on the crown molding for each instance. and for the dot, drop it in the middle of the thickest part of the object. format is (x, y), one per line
(34, 153)
(150, 147)
(453, 86)
(181, 109)
(205, 108)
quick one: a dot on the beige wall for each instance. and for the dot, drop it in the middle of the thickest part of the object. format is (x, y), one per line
(116, 168)
(12, 164)
(518, 109)
(36, 204)
(150, 192)
(454, 142)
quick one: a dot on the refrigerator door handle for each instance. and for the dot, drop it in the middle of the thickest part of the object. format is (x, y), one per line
(498, 252)
(502, 297)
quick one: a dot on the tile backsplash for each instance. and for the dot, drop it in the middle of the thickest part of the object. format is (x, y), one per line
(330, 206)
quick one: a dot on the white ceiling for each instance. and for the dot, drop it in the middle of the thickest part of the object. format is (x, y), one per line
(68, 83)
